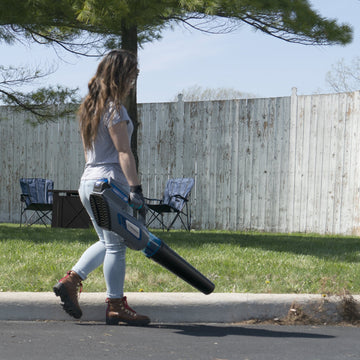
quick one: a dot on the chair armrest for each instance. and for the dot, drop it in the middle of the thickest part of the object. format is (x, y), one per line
(149, 200)
(23, 197)
(179, 196)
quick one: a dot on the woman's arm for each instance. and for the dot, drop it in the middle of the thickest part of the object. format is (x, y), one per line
(120, 138)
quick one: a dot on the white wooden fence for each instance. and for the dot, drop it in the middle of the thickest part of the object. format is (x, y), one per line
(286, 164)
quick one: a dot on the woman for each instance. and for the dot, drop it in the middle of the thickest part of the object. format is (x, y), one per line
(106, 130)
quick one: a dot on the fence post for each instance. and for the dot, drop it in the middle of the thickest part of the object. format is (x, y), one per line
(292, 158)
(180, 131)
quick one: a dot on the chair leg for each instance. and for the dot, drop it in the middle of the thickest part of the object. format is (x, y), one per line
(162, 222)
(22, 212)
(172, 223)
(186, 223)
(30, 221)
(151, 220)
(156, 216)
(40, 217)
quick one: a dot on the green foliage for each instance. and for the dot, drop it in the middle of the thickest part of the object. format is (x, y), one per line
(46, 103)
(291, 20)
(129, 24)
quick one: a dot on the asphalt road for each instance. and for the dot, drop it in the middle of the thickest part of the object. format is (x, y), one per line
(84, 340)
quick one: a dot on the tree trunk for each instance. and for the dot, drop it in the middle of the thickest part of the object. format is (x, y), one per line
(129, 41)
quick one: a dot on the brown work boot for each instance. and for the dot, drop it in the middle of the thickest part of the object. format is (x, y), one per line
(68, 288)
(118, 310)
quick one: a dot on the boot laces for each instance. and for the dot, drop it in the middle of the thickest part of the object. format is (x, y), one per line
(78, 284)
(126, 306)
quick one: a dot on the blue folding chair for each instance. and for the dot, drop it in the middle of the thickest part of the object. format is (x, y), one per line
(36, 197)
(175, 201)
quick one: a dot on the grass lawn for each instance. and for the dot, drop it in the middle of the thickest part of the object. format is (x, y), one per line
(34, 258)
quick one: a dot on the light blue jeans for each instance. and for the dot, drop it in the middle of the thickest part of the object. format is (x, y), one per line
(110, 251)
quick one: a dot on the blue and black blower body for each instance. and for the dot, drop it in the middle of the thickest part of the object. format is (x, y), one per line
(109, 203)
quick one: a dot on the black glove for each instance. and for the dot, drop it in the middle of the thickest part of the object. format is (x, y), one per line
(136, 197)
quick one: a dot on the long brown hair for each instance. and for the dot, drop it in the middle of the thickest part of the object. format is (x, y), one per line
(113, 80)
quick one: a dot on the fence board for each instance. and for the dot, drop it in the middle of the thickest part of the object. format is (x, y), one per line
(352, 196)
(243, 147)
(281, 164)
(233, 176)
(315, 159)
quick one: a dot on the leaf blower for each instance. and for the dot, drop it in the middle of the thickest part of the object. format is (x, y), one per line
(109, 203)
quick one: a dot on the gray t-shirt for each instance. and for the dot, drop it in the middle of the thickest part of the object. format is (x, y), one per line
(103, 158)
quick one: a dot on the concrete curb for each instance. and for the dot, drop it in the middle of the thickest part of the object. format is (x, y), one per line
(177, 307)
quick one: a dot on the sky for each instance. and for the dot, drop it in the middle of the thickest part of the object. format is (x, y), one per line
(244, 60)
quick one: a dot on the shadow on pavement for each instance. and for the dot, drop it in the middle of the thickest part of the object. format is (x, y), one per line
(214, 330)
(256, 330)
